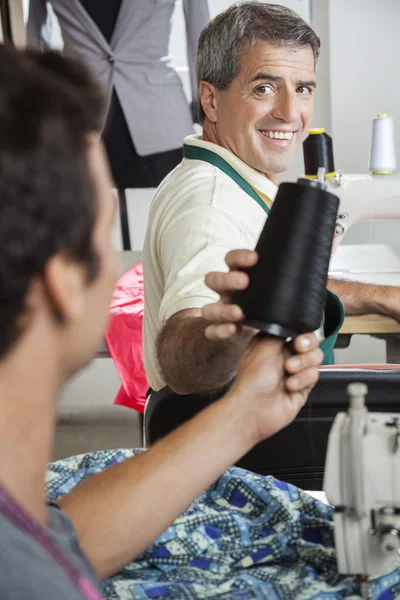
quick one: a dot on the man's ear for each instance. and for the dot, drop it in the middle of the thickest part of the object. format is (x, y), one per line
(208, 96)
(65, 283)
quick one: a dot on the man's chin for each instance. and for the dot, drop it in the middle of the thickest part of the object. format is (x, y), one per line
(272, 165)
(273, 170)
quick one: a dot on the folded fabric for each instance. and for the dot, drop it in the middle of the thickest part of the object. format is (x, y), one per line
(124, 338)
(247, 537)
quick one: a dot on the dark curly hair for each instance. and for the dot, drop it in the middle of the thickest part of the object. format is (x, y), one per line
(49, 105)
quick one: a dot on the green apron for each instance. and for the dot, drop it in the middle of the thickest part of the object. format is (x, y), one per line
(334, 313)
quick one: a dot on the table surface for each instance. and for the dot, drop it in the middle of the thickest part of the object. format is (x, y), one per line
(368, 263)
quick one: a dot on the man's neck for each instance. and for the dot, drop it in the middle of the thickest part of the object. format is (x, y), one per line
(28, 388)
(210, 134)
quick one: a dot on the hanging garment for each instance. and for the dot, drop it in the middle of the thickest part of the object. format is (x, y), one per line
(134, 62)
(128, 168)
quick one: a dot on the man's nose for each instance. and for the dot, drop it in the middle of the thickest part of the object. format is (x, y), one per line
(286, 107)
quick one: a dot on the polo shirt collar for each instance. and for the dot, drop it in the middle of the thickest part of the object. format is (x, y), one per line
(254, 178)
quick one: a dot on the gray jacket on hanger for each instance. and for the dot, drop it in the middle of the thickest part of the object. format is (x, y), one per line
(135, 62)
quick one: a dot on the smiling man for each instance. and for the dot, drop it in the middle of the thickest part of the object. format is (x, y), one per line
(262, 115)
(256, 74)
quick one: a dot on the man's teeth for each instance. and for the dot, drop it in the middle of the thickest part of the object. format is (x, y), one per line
(278, 135)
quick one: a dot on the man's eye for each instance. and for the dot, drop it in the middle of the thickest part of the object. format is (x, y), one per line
(264, 89)
(304, 90)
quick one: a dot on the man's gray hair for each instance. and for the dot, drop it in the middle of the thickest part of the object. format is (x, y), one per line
(234, 32)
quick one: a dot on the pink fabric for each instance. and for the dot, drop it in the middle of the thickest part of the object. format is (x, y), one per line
(124, 338)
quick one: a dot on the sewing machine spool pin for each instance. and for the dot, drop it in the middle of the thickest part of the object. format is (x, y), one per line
(339, 229)
(364, 588)
(357, 413)
(321, 174)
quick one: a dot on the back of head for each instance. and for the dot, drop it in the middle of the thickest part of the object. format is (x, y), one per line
(234, 32)
(49, 106)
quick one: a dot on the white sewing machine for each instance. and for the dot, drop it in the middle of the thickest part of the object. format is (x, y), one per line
(363, 197)
(362, 470)
(362, 482)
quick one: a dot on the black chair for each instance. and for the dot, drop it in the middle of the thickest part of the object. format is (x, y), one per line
(297, 453)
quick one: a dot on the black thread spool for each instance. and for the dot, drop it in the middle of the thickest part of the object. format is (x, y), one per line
(318, 152)
(287, 290)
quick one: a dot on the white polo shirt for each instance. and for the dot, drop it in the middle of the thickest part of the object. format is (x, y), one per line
(199, 214)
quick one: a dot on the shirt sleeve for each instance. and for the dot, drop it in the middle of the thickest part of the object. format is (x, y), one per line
(195, 244)
(64, 531)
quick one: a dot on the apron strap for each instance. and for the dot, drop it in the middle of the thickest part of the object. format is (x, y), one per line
(334, 317)
(197, 153)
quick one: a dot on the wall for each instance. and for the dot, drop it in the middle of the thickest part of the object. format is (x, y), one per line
(364, 49)
(364, 54)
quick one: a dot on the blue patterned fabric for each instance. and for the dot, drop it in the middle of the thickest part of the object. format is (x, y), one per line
(246, 538)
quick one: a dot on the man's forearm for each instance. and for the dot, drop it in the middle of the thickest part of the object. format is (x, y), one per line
(363, 298)
(190, 363)
(120, 512)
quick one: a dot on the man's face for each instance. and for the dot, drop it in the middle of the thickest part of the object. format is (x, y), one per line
(266, 110)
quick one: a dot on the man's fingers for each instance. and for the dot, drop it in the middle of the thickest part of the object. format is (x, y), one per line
(240, 259)
(302, 381)
(305, 342)
(227, 282)
(297, 363)
(222, 313)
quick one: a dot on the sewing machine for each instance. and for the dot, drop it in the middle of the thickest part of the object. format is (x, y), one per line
(363, 197)
(362, 482)
(362, 469)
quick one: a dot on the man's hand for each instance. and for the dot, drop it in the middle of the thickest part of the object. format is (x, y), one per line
(273, 384)
(224, 316)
